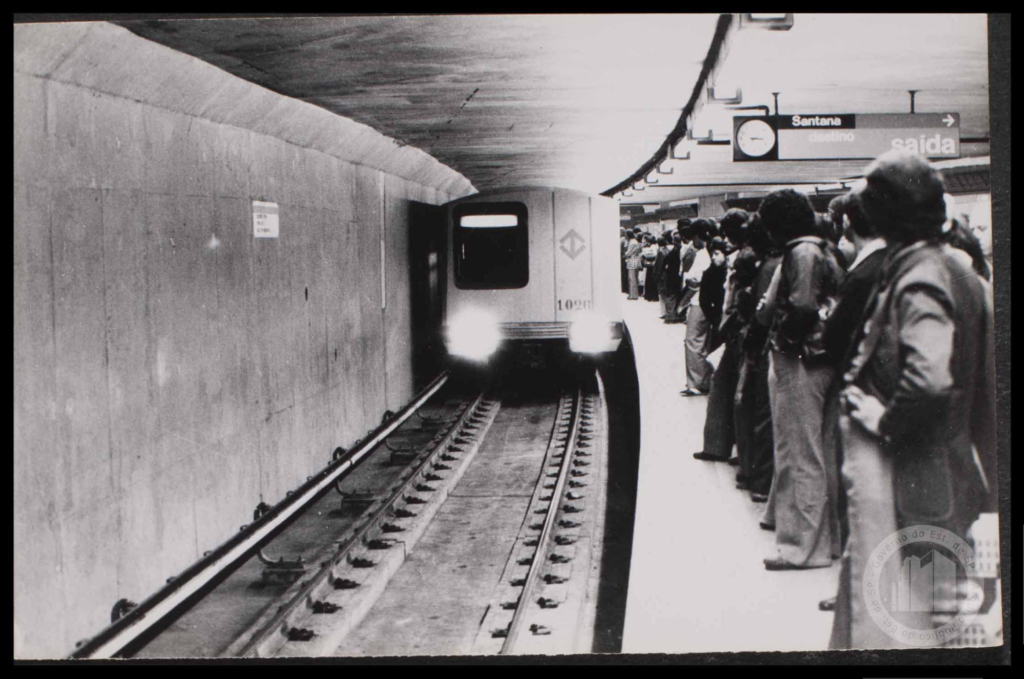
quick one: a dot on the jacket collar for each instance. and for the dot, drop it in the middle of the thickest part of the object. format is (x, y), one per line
(806, 239)
(870, 248)
(897, 256)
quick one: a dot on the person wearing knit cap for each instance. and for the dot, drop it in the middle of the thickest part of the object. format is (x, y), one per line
(917, 416)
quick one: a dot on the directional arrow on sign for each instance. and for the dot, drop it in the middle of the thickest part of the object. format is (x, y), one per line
(949, 120)
(573, 250)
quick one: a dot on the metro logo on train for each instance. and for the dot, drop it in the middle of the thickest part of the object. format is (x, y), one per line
(855, 136)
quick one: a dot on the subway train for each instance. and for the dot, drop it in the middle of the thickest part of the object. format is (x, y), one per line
(531, 272)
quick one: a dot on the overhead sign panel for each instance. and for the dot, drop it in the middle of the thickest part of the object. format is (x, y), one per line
(845, 136)
(868, 135)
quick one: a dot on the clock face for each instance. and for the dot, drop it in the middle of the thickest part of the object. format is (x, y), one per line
(755, 138)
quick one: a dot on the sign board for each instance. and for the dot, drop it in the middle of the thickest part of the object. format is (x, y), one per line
(264, 219)
(846, 136)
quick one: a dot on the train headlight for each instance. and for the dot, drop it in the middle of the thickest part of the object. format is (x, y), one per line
(592, 333)
(473, 334)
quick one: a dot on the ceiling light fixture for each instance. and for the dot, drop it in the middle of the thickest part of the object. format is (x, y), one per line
(708, 137)
(770, 22)
(721, 95)
(760, 107)
(675, 150)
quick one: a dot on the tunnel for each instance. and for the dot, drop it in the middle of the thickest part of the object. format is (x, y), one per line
(233, 236)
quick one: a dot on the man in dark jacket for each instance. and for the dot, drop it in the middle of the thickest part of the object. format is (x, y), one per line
(755, 444)
(719, 432)
(841, 331)
(686, 252)
(918, 423)
(712, 287)
(669, 280)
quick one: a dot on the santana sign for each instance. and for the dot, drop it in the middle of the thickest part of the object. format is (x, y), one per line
(853, 136)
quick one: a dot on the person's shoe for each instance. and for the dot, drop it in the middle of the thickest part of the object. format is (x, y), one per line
(741, 477)
(734, 461)
(767, 526)
(827, 604)
(758, 497)
(742, 486)
(708, 458)
(690, 391)
(779, 564)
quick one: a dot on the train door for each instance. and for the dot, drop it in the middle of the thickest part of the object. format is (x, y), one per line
(428, 267)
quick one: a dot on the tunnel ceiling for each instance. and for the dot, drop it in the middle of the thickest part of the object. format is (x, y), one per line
(583, 101)
(578, 101)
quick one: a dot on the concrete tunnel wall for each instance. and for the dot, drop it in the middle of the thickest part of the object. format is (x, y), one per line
(171, 370)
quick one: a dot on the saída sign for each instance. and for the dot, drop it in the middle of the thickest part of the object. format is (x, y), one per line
(852, 136)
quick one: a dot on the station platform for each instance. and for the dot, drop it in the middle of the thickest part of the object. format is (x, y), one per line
(697, 582)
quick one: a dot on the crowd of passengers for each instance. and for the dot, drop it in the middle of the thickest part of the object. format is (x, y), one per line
(848, 357)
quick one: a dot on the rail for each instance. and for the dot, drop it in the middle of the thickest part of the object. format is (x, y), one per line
(279, 624)
(178, 590)
(545, 535)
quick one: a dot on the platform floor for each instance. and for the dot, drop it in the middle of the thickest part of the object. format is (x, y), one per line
(697, 582)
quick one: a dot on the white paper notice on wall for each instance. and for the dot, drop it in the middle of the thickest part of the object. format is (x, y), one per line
(264, 219)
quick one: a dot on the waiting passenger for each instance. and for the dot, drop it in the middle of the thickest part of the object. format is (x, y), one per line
(712, 288)
(697, 325)
(832, 234)
(962, 239)
(668, 275)
(623, 244)
(799, 379)
(649, 257)
(836, 212)
(753, 416)
(632, 256)
(676, 298)
(701, 232)
(919, 396)
(841, 330)
(719, 432)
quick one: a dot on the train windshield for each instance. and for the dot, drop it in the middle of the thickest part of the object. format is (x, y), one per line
(490, 242)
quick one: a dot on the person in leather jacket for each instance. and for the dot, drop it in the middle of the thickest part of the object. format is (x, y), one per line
(799, 378)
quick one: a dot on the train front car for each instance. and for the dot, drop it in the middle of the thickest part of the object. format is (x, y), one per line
(533, 277)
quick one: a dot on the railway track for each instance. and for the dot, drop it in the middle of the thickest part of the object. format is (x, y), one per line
(324, 588)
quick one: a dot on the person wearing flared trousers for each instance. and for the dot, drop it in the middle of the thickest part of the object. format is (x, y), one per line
(807, 524)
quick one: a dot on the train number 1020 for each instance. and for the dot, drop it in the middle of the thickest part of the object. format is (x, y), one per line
(574, 304)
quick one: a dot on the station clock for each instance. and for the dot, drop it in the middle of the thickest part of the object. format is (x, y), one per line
(754, 138)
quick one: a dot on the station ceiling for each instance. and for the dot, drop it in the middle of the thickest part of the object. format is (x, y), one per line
(582, 101)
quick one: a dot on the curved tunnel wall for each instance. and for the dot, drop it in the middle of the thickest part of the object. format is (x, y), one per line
(171, 370)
